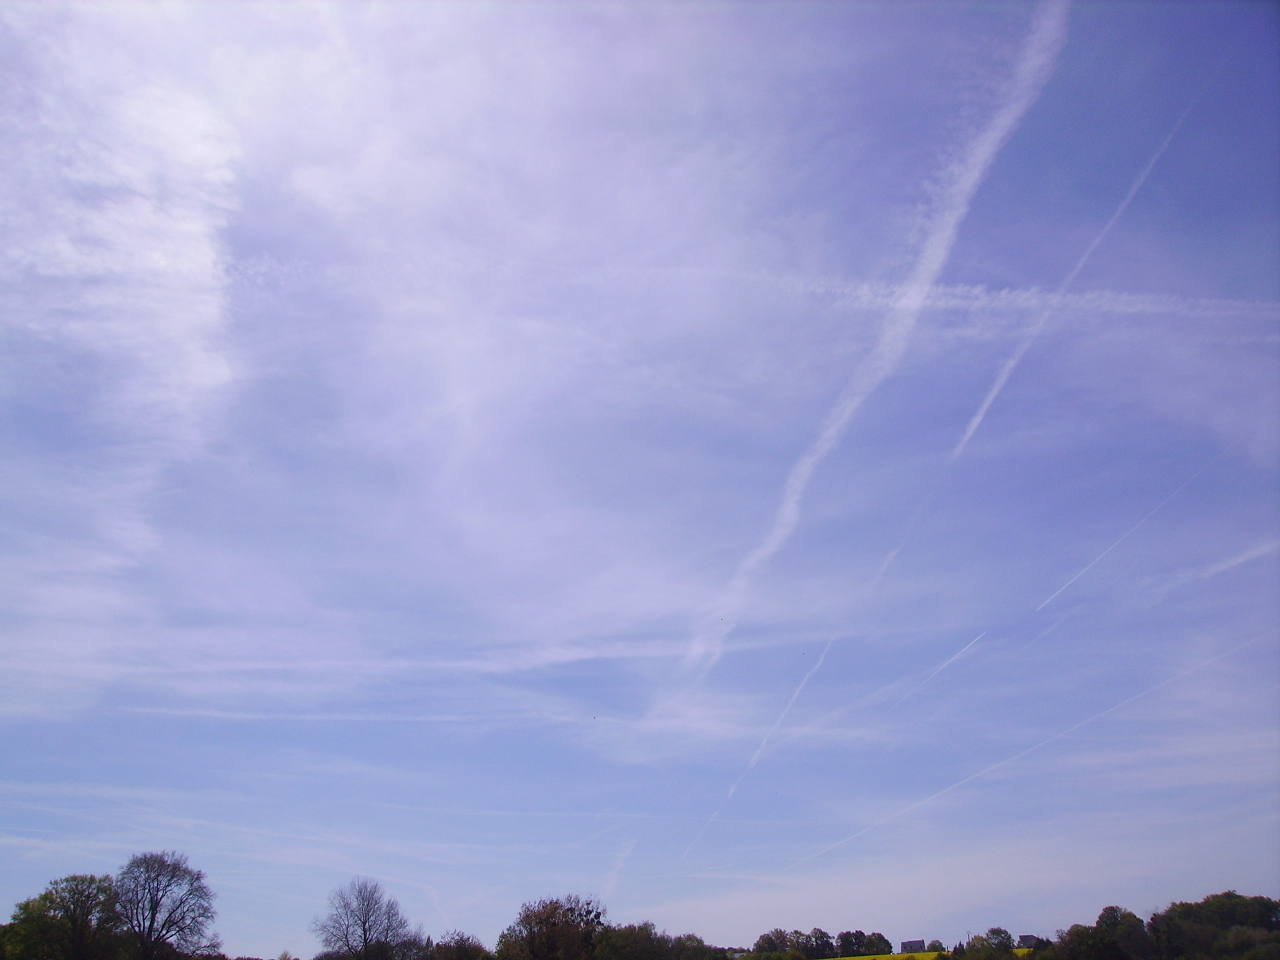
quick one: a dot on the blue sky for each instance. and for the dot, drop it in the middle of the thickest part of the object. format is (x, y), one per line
(759, 464)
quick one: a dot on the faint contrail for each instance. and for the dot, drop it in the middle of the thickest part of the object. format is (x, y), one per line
(1006, 371)
(1044, 633)
(1261, 550)
(755, 757)
(1153, 512)
(1032, 749)
(952, 660)
(611, 878)
(1035, 64)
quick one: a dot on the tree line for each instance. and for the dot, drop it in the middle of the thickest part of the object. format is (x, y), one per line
(159, 908)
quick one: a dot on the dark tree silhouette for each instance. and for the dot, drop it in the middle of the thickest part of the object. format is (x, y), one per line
(851, 943)
(165, 905)
(456, 945)
(364, 923)
(74, 919)
(553, 929)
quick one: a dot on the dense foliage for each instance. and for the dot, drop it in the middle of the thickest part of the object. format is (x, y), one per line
(159, 908)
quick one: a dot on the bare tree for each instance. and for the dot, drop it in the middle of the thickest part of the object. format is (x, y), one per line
(166, 905)
(364, 923)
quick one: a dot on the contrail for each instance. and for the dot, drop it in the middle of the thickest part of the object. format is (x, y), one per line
(1032, 749)
(1049, 304)
(1007, 370)
(755, 757)
(870, 296)
(1044, 633)
(1182, 486)
(1271, 546)
(953, 659)
(1035, 64)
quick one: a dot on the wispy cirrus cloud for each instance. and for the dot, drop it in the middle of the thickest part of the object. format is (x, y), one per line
(390, 391)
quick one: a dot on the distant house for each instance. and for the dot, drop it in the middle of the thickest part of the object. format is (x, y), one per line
(913, 946)
(1028, 942)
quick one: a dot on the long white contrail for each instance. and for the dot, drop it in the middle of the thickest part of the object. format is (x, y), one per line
(960, 181)
(1032, 749)
(1089, 566)
(755, 757)
(1020, 351)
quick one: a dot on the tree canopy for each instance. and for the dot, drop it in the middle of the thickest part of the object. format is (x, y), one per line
(165, 905)
(159, 908)
(363, 923)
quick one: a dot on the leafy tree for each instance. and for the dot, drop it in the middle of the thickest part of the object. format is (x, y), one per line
(936, 946)
(1222, 911)
(1120, 933)
(553, 929)
(690, 946)
(877, 943)
(363, 923)
(851, 943)
(74, 919)
(34, 932)
(819, 945)
(1001, 940)
(636, 941)
(642, 941)
(414, 946)
(165, 905)
(996, 943)
(776, 940)
(1205, 929)
(456, 945)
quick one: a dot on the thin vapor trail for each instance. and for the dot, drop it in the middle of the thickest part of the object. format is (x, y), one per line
(1035, 64)
(1045, 632)
(1182, 486)
(1032, 749)
(949, 662)
(1007, 370)
(755, 757)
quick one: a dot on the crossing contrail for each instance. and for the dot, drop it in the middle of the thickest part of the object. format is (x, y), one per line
(1048, 306)
(1016, 357)
(959, 182)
